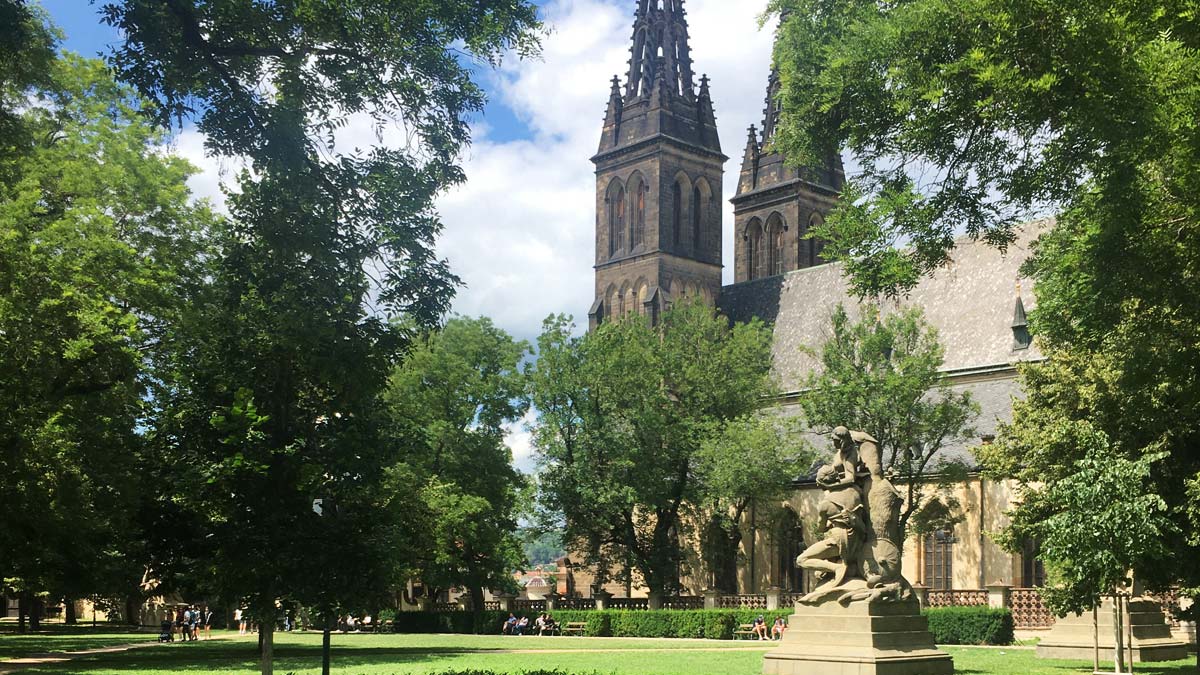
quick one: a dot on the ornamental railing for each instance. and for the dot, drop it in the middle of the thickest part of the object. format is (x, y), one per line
(684, 602)
(575, 603)
(446, 607)
(742, 602)
(1029, 610)
(491, 606)
(523, 605)
(629, 603)
(958, 598)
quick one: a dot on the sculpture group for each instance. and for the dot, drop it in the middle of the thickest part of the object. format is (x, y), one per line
(859, 557)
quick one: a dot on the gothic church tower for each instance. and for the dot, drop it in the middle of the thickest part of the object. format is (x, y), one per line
(777, 203)
(658, 177)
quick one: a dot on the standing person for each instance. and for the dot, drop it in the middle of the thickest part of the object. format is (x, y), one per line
(208, 617)
(179, 624)
(239, 616)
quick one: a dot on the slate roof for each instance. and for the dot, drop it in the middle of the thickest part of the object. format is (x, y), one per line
(970, 302)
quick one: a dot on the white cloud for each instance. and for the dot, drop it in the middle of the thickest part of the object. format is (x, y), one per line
(520, 441)
(520, 232)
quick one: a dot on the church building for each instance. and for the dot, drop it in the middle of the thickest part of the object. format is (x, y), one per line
(659, 230)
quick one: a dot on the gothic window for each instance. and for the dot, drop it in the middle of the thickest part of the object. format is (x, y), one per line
(616, 220)
(790, 545)
(775, 256)
(814, 245)
(637, 235)
(939, 560)
(697, 216)
(676, 213)
(1033, 571)
(753, 237)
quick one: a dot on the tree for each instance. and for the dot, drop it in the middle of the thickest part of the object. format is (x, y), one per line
(623, 414)
(748, 460)
(977, 115)
(1096, 524)
(97, 247)
(276, 396)
(1083, 109)
(883, 375)
(451, 402)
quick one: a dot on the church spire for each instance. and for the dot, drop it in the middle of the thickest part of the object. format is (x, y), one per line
(660, 48)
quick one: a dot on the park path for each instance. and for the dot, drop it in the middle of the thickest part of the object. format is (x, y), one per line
(19, 664)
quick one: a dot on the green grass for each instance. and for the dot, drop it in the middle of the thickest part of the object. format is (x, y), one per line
(60, 639)
(426, 654)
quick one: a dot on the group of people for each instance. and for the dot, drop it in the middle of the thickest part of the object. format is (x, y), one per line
(776, 631)
(187, 622)
(520, 626)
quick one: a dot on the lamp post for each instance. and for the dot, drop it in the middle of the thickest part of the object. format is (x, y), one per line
(325, 508)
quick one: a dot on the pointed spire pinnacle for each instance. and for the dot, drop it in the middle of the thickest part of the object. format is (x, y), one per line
(660, 43)
(774, 107)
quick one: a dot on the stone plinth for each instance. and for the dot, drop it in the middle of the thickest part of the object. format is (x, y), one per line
(1072, 637)
(864, 638)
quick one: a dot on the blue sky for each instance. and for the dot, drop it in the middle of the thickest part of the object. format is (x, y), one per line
(521, 231)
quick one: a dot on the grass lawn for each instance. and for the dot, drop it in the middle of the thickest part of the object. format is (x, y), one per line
(422, 654)
(61, 639)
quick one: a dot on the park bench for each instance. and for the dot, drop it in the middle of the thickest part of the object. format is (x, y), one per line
(575, 628)
(744, 630)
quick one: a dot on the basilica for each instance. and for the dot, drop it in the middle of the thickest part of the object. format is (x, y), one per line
(659, 234)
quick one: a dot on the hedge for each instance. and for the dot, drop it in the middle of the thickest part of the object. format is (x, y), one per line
(970, 625)
(713, 624)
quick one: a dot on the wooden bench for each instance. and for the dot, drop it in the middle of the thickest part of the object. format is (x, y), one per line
(575, 628)
(744, 630)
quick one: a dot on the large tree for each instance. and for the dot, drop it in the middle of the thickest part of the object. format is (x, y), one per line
(749, 461)
(1083, 109)
(451, 403)
(97, 246)
(882, 374)
(623, 416)
(275, 399)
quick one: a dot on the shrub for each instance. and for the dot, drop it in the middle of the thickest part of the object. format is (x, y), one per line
(714, 624)
(970, 625)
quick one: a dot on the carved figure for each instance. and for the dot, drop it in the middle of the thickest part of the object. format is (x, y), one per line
(841, 520)
(860, 555)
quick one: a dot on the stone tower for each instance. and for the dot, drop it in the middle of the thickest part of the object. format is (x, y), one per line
(776, 203)
(658, 177)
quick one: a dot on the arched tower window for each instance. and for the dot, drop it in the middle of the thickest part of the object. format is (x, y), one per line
(814, 245)
(753, 237)
(616, 219)
(701, 195)
(774, 233)
(637, 234)
(1033, 571)
(676, 213)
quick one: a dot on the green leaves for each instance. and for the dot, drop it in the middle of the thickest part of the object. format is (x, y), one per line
(624, 416)
(882, 375)
(1098, 523)
(976, 116)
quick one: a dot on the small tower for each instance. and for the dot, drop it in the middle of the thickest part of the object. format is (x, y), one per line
(777, 204)
(658, 177)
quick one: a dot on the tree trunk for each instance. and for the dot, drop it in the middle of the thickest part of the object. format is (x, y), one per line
(69, 615)
(326, 645)
(22, 611)
(1119, 629)
(266, 632)
(131, 611)
(36, 611)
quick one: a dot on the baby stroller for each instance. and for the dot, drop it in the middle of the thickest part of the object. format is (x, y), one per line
(165, 634)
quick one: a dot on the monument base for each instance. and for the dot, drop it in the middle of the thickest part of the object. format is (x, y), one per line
(863, 638)
(1073, 637)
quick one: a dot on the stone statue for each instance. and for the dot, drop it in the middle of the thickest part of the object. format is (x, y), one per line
(859, 557)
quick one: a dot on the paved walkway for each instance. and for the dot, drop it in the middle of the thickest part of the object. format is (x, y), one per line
(19, 664)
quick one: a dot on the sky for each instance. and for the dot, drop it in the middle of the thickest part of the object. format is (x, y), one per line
(520, 231)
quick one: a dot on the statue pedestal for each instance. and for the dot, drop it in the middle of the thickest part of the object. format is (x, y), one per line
(863, 638)
(1074, 637)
